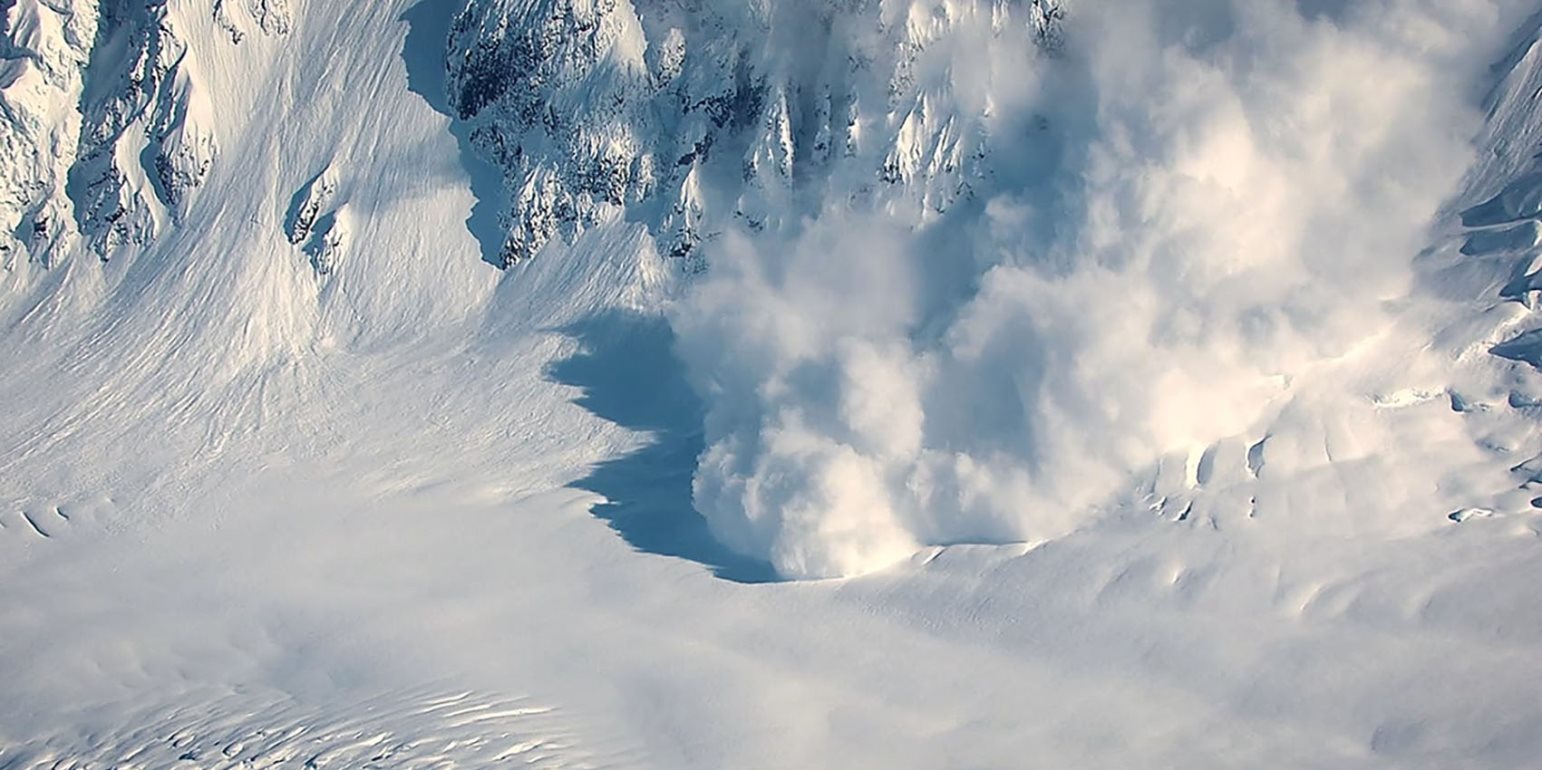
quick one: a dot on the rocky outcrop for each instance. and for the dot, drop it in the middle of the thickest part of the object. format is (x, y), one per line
(313, 222)
(270, 17)
(44, 49)
(688, 115)
(104, 130)
(138, 60)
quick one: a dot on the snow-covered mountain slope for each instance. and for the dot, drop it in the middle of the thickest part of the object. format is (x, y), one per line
(1167, 395)
(682, 114)
(107, 130)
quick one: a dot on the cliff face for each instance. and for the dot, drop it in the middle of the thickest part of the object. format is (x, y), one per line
(685, 115)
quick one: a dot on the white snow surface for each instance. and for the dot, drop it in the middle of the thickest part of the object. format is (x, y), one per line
(1197, 429)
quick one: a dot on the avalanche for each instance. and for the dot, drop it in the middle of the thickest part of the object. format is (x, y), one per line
(890, 383)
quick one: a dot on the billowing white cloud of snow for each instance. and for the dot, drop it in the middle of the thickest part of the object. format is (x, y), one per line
(1223, 195)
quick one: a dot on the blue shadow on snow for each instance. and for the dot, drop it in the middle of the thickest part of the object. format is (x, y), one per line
(627, 370)
(428, 35)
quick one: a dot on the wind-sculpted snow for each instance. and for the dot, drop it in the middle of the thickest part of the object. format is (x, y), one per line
(1193, 234)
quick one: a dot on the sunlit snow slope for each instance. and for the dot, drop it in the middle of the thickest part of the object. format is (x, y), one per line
(428, 383)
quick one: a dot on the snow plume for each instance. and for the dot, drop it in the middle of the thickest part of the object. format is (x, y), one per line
(1183, 216)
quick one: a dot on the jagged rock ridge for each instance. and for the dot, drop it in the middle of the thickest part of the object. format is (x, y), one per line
(682, 113)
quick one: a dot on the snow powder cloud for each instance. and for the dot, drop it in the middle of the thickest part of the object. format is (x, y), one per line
(1181, 217)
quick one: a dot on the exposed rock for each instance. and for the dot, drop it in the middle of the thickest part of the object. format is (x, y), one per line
(307, 206)
(272, 17)
(707, 114)
(104, 130)
(44, 49)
